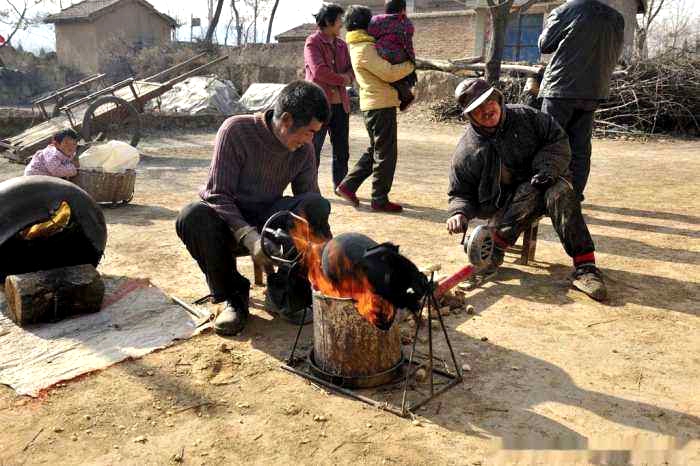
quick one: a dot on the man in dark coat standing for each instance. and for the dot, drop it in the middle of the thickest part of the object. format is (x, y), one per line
(512, 167)
(586, 39)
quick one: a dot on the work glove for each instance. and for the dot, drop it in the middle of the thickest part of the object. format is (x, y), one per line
(542, 180)
(457, 224)
(253, 244)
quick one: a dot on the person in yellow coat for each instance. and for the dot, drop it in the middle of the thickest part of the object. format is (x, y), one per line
(378, 103)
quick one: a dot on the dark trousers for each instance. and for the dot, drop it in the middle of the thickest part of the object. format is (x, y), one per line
(339, 129)
(576, 117)
(559, 202)
(211, 243)
(404, 87)
(380, 158)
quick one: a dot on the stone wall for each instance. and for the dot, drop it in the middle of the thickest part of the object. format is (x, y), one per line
(13, 121)
(26, 77)
(266, 63)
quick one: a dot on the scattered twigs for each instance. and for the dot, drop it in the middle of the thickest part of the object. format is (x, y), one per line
(29, 444)
(600, 323)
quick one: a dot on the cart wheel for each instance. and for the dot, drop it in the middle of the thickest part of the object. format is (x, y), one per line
(66, 99)
(113, 117)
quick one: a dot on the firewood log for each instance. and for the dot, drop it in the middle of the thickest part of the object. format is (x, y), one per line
(51, 295)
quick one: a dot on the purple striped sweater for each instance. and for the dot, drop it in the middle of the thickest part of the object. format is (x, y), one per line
(251, 169)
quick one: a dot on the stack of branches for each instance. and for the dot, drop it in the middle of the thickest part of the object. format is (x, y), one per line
(657, 96)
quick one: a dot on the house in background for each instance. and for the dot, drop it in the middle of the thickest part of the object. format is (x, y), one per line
(85, 29)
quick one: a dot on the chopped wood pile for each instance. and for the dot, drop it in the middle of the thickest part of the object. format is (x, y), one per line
(652, 97)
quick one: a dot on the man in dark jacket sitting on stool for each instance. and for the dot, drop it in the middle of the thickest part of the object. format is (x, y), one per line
(512, 167)
(255, 158)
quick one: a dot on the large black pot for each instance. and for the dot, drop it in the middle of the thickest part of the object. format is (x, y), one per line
(31, 200)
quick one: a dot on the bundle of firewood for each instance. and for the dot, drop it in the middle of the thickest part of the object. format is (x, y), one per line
(657, 96)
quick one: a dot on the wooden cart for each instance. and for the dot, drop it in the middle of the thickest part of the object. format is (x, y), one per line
(110, 112)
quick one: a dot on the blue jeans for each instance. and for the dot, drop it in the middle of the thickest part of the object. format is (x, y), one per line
(576, 117)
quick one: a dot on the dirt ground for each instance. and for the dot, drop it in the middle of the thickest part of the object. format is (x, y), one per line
(555, 378)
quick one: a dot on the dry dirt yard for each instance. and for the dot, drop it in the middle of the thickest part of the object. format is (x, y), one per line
(555, 378)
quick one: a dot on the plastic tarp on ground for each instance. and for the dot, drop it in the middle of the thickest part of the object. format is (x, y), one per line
(201, 95)
(261, 96)
(136, 319)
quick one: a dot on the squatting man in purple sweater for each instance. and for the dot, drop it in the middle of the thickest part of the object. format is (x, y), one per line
(255, 158)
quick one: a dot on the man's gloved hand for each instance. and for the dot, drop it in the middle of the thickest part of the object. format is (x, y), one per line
(458, 223)
(542, 180)
(253, 244)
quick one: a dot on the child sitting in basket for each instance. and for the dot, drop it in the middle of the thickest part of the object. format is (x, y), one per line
(58, 158)
(394, 34)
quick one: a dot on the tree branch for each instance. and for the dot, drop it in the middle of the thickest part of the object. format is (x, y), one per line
(18, 26)
(658, 9)
(272, 18)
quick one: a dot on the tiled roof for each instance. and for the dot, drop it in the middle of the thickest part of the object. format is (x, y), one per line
(87, 10)
(299, 32)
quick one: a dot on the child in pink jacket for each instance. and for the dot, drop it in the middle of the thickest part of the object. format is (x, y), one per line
(58, 158)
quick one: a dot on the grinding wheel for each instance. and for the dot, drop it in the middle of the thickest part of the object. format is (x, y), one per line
(480, 247)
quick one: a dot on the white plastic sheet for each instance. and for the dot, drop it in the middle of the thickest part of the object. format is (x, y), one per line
(201, 95)
(261, 96)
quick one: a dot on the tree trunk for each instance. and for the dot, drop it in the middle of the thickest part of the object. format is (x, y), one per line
(272, 18)
(255, 22)
(348, 345)
(499, 21)
(214, 22)
(52, 295)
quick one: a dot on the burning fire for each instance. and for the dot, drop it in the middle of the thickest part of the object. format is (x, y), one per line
(349, 280)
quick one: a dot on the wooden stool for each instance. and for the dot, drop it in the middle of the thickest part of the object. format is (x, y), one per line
(527, 250)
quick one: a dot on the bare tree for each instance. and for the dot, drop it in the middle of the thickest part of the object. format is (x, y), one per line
(643, 27)
(501, 12)
(674, 26)
(15, 17)
(272, 18)
(239, 23)
(214, 22)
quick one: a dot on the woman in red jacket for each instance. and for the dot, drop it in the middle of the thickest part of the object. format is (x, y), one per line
(327, 63)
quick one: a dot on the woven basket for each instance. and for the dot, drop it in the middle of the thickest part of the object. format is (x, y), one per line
(107, 187)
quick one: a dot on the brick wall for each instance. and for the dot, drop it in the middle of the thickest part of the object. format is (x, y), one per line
(444, 35)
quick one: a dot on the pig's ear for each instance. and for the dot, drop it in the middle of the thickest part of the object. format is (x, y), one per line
(381, 251)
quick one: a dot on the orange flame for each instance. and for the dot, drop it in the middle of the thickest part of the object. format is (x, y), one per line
(349, 280)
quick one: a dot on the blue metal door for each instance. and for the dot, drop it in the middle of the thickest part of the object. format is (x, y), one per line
(521, 39)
